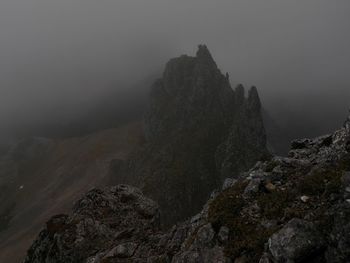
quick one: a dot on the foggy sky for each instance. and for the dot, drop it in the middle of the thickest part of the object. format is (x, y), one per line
(58, 58)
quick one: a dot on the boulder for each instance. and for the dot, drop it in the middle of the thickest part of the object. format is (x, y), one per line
(296, 241)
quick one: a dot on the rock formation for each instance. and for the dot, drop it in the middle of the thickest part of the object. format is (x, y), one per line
(198, 131)
(286, 209)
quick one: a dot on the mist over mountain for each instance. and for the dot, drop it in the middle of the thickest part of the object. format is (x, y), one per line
(202, 158)
(61, 60)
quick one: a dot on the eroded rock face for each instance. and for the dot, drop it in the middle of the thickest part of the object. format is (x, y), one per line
(247, 221)
(111, 222)
(192, 94)
(199, 131)
(296, 241)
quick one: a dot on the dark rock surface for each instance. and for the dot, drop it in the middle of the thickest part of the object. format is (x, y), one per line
(302, 218)
(296, 241)
(247, 221)
(198, 132)
(114, 220)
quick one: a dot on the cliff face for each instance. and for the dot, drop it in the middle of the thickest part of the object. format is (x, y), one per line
(246, 141)
(286, 209)
(198, 131)
(192, 94)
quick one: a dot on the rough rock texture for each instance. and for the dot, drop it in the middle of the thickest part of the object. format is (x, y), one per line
(199, 131)
(246, 140)
(259, 217)
(291, 209)
(118, 219)
(296, 241)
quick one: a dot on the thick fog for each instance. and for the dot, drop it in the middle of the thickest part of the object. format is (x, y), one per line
(61, 60)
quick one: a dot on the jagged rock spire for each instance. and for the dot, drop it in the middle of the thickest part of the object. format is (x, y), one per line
(194, 130)
(204, 55)
(254, 102)
(239, 94)
(203, 52)
(192, 92)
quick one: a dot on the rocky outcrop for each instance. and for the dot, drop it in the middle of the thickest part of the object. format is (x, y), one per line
(111, 222)
(286, 209)
(296, 241)
(246, 141)
(198, 131)
(192, 95)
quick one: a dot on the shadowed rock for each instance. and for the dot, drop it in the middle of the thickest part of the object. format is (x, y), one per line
(199, 131)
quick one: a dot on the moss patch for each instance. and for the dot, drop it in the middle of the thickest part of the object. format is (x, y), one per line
(246, 236)
(273, 204)
(321, 183)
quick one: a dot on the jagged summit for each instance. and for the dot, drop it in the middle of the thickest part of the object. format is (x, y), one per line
(203, 51)
(254, 99)
(191, 138)
(239, 94)
(203, 55)
(191, 92)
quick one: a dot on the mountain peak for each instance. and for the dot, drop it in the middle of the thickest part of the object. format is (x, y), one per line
(203, 51)
(191, 92)
(204, 54)
(239, 94)
(254, 99)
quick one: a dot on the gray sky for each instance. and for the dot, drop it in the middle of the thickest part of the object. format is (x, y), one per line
(59, 57)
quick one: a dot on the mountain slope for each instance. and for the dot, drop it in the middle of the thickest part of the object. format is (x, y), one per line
(41, 177)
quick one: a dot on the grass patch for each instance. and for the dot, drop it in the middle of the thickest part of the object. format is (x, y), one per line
(273, 204)
(321, 183)
(246, 237)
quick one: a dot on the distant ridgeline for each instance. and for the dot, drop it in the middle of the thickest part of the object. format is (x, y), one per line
(198, 132)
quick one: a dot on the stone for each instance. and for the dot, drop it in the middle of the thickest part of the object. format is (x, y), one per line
(215, 254)
(305, 198)
(270, 187)
(295, 241)
(124, 250)
(97, 217)
(265, 259)
(253, 187)
(229, 182)
(223, 234)
(205, 236)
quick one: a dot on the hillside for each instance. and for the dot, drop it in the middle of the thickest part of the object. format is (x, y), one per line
(42, 177)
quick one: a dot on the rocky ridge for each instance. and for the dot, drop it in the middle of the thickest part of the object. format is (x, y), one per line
(286, 209)
(198, 131)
